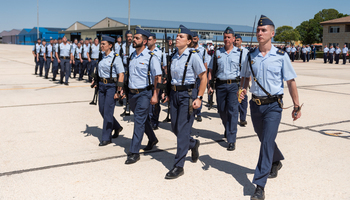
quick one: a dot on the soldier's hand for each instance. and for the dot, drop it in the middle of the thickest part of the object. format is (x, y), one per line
(89, 60)
(210, 90)
(70, 62)
(58, 60)
(51, 59)
(122, 94)
(116, 96)
(196, 103)
(93, 81)
(243, 93)
(73, 61)
(81, 60)
(37, 59)
(296, 115)
(154, 100)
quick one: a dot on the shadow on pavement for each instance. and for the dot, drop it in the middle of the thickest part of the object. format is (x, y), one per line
(238, 172)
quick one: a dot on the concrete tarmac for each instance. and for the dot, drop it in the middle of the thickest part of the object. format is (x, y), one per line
(50, 135)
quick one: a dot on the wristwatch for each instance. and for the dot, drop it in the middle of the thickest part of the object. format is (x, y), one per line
(200, 97)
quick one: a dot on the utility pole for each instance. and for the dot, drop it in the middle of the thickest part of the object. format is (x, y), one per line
(129, 17)
(37, 15)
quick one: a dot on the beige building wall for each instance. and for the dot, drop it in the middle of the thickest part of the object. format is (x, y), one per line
(77, 26)
(341, 38)
(107, 23)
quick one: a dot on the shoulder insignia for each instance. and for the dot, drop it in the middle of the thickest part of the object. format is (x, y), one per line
(151, 53)
(194, 51)
(281, 52)
(116, 54)
(197, 51)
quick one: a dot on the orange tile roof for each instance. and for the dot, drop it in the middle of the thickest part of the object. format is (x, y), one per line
(343, 20)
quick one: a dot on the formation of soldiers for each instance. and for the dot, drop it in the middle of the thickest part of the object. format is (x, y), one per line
(179, 74)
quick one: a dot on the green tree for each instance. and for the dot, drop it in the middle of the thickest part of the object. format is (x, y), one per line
(286, 34)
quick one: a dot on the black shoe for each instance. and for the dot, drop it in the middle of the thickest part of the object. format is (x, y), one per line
(276, 166)
(175, 173)
(104, 143)
(46, 77)
(231, 147)
(166, 120)
(199, 118)
(225, 135)
(35, 73)
(243, 123)
(80, 79)
(116, 131)
(53, 79)
(150, 145)
(132, 158)
(125, 114)
(66, 83)
(92, 103)
(61, 82)
(195, 152)
(155, 127)
(259, 193)
(120, 101)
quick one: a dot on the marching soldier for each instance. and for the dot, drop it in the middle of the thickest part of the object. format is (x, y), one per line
(337, 54)
(55, 62)
(325, 54)
(118, 44)
(345, 51)
(304, 53)
(227, 85)
(293, 50)
(41, 57)
(242, 107)
(86, 59)
(203, 54)
(288, 49)
(268, 67)
(110, 88)
(331, 54)
(308, 50)
(94, 54)
(184, 98)
(35, 51)
(144, 75)
(63, 58)
(49, 58)
(77, 59)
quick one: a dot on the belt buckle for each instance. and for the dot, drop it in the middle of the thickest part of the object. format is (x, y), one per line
(104, 81)
(137, 91)
(258, 102)
(229, 81)
(64, 57)
(175, 88)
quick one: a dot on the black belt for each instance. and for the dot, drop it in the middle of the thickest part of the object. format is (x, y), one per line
(266, 100)
(237, 80)
(77, 59)
(64, 57)
(85, 59)
(182, 87)
(41, 56)
(94, 58)
(136, 91)
(108, 80)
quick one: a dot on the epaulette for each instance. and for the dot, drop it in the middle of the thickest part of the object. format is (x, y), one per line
(116, 55)
(194, 51)
(197, 51)
(251, 50)
(281, 52)
(151, 53)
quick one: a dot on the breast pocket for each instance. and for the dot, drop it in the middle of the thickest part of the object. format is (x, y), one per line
(273, 73)
(141, 69)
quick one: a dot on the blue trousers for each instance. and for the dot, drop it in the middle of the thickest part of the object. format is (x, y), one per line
(85, 66)
(41, 63)
(36, 65)
(226, 97)
(139, 104)
(55, 68)
(65, 69)
(199, 110)
(266, 119)
(336, 58)
(308, 56)
(330, 58)
(47, 66)
(325, 57)
(91, 68)
(106, 105)
(181, 123)
(76, 67)
(293, 56)
(344, 58)
(242, 107)
(154, 111)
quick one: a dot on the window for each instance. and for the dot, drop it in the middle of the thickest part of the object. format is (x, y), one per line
(175, 31)
(334, 29)
(347, 28)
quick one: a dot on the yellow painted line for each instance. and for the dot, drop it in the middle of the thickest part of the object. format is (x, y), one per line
(35, 88)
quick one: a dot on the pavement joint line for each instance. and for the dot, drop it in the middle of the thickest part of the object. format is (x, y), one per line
(18, 61)
(40, 88)
(44, 104)
(324, 91)
(323, 85)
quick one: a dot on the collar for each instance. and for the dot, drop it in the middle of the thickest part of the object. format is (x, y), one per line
(110, 54)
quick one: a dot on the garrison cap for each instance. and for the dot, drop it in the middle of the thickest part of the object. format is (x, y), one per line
(119, 36)
(81, 39)
(195, 34)
(153, 35)
(90, 38)
(44, 40)
(59, 38)
(128, 32)
(183, 29)
(168, 38)
(86, 38)
(38, 39)
(263, 21)
(107, 38)
(142, 32)
(238, 36)
(229, 30)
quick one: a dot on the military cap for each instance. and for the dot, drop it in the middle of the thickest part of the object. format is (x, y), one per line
(107, 38)
(229, 30)
(238, 36)
(44, 40)
(38, 39)
(263, 21)
(183, 29)
(128, 32)
(68, 40)
(81, 39)
(195, 34)
(95, 38)
(142, 32)
(153, 35)
(90, 38)
(86, 38)
(168, 38)
(59, 38)
(119, 36)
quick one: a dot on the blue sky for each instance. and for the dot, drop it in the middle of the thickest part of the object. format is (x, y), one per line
(22, 13)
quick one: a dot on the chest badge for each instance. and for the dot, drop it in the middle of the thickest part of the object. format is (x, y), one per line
(252, 62)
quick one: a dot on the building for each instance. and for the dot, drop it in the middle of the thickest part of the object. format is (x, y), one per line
(22, 37)
(114, 26)
(10, 37)
(336, 32)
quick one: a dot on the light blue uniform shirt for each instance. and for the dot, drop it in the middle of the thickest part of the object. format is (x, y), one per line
(337, 51)
(36, 47)
(157, 52)
(42, 50)
(270, 71)
(49, 50)
(86, 50)
(104, 66)
(304, 50)
(331, 50)
(65, 50)
(138, 69)
(204, 56)
(117, 47)
(77, 51)
(288, 49)
(308, 49)
(345, 50)
(325, 50)
(95, 51)
(194, 68)
(228, 64)
(293, 49)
